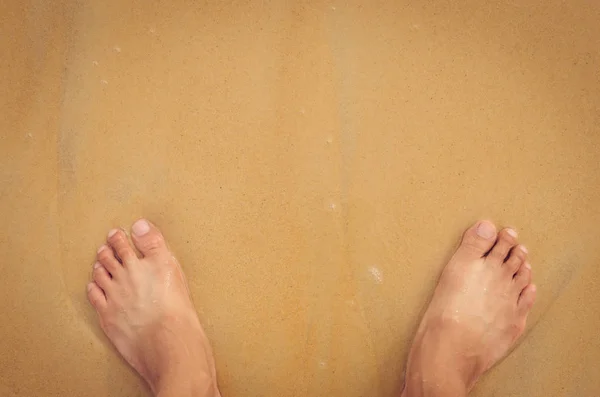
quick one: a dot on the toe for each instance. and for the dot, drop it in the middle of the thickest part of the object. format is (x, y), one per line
(523, 276)
(101, 277)
(507, 238)
(478, 239)
(526, 300)
(515, 259)
(148, 239)
(96, 296)
(120, 244)
(106, 257)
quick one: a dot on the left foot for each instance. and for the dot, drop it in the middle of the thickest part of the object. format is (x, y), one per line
(145, 310)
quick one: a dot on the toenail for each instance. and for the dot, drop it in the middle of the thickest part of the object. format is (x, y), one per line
(90, 286)
(527, 265)
(97, 265)
(101, 248)
(112, 233)
(140, 227)
(486, 230)
(525, 250)
(511, 232)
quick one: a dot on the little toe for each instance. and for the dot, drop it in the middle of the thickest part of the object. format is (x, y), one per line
(96, 296)
(526, 300)
(515, 259)
(101, 277)
(119, 242)
(523, 276)
(477, 240)
(148, 239)
(106, 257)
(507, 238)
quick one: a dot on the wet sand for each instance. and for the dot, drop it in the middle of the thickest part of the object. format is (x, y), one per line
(312, 166)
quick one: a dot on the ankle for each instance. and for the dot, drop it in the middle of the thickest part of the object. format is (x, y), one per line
(178, 358)
(417, 384)
(187, 385)
(188, 372)
(435, 370)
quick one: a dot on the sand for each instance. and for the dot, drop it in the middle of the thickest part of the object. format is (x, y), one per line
(313, 165)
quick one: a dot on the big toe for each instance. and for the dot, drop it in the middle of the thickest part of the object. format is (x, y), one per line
(148, 239)
(478, 239)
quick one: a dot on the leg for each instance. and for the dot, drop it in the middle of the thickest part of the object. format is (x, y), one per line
(144, 308)
(477, 313)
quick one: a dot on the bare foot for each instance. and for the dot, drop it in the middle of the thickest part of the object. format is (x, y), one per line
(477, 313)
(145, 310)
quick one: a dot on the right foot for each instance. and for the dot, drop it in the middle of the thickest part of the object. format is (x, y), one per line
(476, 315)
(145, 310)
